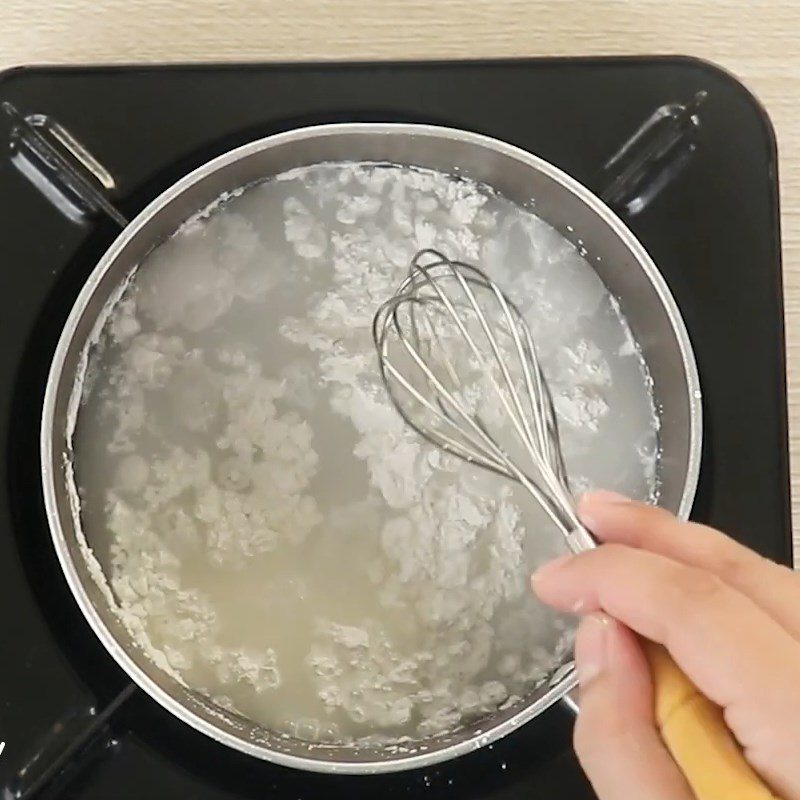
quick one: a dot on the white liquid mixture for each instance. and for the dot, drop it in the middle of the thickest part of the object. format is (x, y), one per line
(274, 535)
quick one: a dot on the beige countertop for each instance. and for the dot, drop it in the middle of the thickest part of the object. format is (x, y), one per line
(758, 40)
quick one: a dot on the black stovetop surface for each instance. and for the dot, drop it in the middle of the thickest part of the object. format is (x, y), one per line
(713, 232)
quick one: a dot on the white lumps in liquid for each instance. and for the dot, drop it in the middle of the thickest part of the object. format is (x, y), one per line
(275, 536)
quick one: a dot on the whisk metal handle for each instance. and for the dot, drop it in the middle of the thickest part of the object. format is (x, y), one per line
(694, 731)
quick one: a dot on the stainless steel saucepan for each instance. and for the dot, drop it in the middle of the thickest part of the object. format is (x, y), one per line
(620, 261)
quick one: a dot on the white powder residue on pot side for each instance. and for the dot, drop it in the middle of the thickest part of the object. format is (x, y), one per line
(274, 535)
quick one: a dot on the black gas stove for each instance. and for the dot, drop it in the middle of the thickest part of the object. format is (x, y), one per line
(681, 150)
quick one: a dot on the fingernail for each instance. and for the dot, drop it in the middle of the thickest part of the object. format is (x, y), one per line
(591, 649)
(578, 606)
(549, 568)
(604, 496)
(590, 502)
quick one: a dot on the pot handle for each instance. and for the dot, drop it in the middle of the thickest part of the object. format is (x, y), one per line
(72, 744)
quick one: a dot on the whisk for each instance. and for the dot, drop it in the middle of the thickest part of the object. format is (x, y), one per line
(412, 327)
(449, 329)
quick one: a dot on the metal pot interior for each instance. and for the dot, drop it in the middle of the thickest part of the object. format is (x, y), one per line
(618, 258)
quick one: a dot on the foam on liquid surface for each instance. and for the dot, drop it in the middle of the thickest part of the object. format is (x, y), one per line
(275, 536)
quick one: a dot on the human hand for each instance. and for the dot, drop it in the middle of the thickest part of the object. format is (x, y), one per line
(729, 618)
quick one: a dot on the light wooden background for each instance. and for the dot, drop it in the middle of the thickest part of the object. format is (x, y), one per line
(759, 40)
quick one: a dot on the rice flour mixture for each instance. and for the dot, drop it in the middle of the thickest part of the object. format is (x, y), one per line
(274, 536)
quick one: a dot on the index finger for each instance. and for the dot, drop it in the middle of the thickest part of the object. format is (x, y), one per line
(771, 586)
(730, 648)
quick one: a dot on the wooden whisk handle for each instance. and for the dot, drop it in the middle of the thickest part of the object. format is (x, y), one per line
(695, 733)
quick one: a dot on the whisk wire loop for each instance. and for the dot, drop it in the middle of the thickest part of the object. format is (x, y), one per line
(442, 298)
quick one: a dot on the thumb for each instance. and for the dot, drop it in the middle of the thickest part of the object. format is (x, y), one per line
(616, 740)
